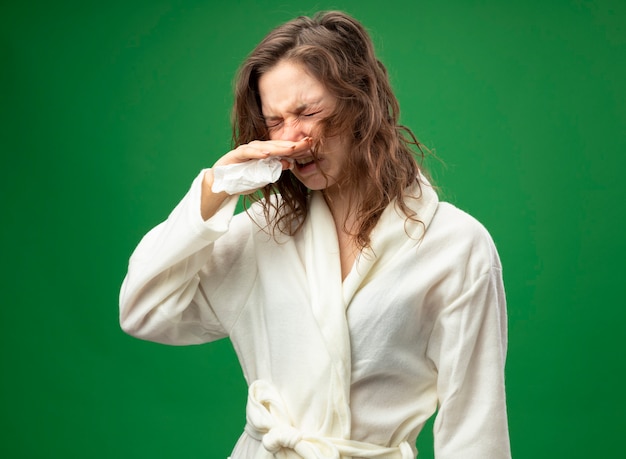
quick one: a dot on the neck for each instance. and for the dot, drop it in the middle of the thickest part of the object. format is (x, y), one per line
(345, 226)
(341, 207)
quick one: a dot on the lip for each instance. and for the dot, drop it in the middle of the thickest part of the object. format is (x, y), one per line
(303, 161)
(305, 155)
(308, 167)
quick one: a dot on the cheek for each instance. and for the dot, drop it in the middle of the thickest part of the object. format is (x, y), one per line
(314, 128)
(273, 134)
(338, 146)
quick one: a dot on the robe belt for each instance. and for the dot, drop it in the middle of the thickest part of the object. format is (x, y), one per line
(268, 422)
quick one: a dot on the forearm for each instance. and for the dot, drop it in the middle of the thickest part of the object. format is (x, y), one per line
(471, 336)
(210, 202)
(160, 299)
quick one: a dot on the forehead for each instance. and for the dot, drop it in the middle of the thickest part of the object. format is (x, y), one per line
(288, 87)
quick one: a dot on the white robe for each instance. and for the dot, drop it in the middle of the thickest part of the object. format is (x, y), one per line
(337, 369)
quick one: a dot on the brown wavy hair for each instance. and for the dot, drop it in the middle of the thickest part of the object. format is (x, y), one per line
(336, 50)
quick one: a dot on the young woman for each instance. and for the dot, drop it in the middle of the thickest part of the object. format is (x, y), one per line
(357, 303)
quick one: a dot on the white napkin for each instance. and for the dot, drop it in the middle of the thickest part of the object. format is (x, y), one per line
(251, 175)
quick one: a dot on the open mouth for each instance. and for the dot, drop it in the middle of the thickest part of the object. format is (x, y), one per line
(304, 162)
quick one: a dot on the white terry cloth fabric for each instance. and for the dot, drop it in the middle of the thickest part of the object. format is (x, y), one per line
(241, 177)
(269, 422)
(418, 324)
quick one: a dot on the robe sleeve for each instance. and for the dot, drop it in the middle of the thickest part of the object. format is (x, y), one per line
(176, 270)
(468, 348)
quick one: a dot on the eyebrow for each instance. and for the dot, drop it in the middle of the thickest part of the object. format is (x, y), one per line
(298, 110)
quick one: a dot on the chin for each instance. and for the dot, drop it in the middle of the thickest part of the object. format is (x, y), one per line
(317, 183)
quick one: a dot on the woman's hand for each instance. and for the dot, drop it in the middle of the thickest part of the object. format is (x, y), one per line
(260, 149)
(255, 150)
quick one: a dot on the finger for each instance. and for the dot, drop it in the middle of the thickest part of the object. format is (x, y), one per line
(287, 164)
(260, 149)
(291, 148)
(242, 154)
(276, 143)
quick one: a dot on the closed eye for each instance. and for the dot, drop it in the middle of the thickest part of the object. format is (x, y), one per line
(273, 123)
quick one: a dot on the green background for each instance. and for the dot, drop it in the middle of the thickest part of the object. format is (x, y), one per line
(110, 109)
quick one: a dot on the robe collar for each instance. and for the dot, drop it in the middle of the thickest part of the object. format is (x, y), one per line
(392, 234)
(330, 297)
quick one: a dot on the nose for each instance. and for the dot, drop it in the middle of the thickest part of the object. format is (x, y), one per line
(293, 130)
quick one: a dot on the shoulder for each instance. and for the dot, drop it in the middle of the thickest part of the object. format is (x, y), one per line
(453, 218)
(461, 236)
